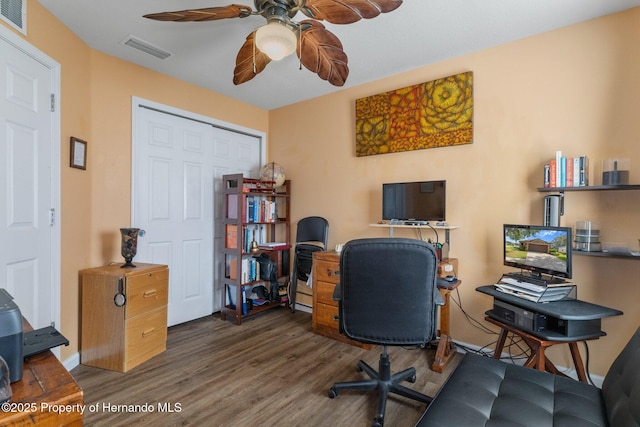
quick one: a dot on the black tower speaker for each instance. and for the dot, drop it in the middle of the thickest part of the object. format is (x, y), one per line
(552, 211)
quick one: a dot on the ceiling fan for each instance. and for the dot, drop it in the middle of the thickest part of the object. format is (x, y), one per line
(319, 50)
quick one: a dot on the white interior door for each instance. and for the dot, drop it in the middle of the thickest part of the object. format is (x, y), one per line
(177, 162)
(234, 152)
(29, 182)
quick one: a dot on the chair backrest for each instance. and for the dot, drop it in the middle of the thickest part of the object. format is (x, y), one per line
(387, 288)
(313, 229)
(621, 386)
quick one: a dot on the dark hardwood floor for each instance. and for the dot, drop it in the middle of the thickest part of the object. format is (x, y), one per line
(270, 371)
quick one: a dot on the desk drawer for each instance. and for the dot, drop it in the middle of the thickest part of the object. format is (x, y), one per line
(327, 271)
(324, 293)
(146, 292)
(327, 315)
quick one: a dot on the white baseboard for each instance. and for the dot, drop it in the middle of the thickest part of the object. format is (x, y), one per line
(72, 361)
(571, 372)
(304, 308)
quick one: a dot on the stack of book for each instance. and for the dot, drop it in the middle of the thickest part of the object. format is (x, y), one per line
(536, 292)
(273, 246)
(563, 171)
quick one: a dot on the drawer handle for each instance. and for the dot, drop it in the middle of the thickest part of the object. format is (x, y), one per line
(336, 317)
(149, 293)
(334, 272)
(148, 332)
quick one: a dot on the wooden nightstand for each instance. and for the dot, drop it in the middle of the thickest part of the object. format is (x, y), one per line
(121, 337)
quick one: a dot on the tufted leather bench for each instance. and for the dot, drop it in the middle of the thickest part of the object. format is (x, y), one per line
(490, 393)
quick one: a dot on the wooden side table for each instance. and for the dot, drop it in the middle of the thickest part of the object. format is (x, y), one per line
(538, 360)
(45, 384)
(120, 334)
(446, 348)
(568, 321)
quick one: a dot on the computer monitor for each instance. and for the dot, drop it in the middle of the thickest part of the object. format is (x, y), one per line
(538, 249)
(419, 201)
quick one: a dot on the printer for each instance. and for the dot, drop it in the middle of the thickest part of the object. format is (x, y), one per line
(11, 344)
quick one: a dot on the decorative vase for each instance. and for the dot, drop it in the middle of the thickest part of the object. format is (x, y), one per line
(129, 245)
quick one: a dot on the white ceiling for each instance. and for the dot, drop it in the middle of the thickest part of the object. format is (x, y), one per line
(418, 33)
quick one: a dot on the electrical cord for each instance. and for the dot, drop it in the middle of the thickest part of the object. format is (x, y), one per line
(474, 322)
(586, 362)
(514, 341)
(419, 231)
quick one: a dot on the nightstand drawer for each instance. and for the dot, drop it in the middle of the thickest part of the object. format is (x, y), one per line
(327, 271)
(146, 292)
(327, 315)
(324, 292)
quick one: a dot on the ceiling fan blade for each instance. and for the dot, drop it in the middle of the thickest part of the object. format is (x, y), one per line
(207, 14)
(321, 52)
(250, 61)
(348, 11)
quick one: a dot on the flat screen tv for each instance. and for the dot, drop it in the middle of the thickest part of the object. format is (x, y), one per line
(538, 249)
(414, 201)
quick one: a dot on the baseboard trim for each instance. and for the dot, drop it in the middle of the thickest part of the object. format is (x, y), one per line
(304, 308)
(72, 361)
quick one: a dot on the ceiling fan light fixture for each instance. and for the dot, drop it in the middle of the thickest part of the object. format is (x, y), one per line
(276, 40)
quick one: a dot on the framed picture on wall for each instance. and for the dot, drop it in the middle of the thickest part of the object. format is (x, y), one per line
(78, 153)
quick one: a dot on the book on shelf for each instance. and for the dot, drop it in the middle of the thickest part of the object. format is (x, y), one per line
(569, 173)
(558, 160)
(232, 206)
(231, 240)
(259, 209)
(273, 246)
(584, 171)
(251, 233)
(231, 298)
(547, 175)
(563, 171)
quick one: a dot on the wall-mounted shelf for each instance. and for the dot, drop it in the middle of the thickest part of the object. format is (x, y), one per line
(606, 254)
(446, 228)
(562, 190)
(588, 188)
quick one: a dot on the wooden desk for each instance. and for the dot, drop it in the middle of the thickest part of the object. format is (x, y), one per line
(324, 315)
(45, 386)
(446, 348)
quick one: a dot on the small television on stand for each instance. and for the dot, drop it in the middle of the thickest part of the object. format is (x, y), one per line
(414, 203)
(540, 252)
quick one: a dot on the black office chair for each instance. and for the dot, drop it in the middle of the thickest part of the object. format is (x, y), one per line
(312, 235)
(387, 296)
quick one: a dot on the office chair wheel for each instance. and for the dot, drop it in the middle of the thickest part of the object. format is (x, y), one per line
(377, 423)
(412, 379)
(333, 393)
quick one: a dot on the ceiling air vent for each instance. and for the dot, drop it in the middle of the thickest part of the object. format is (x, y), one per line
(146, 47)
(14, 12)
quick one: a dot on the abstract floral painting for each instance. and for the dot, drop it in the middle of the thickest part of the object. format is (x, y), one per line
(434, 114)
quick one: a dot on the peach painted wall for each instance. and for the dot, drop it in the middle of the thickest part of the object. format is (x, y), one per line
(574, 89)
(96, 107)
